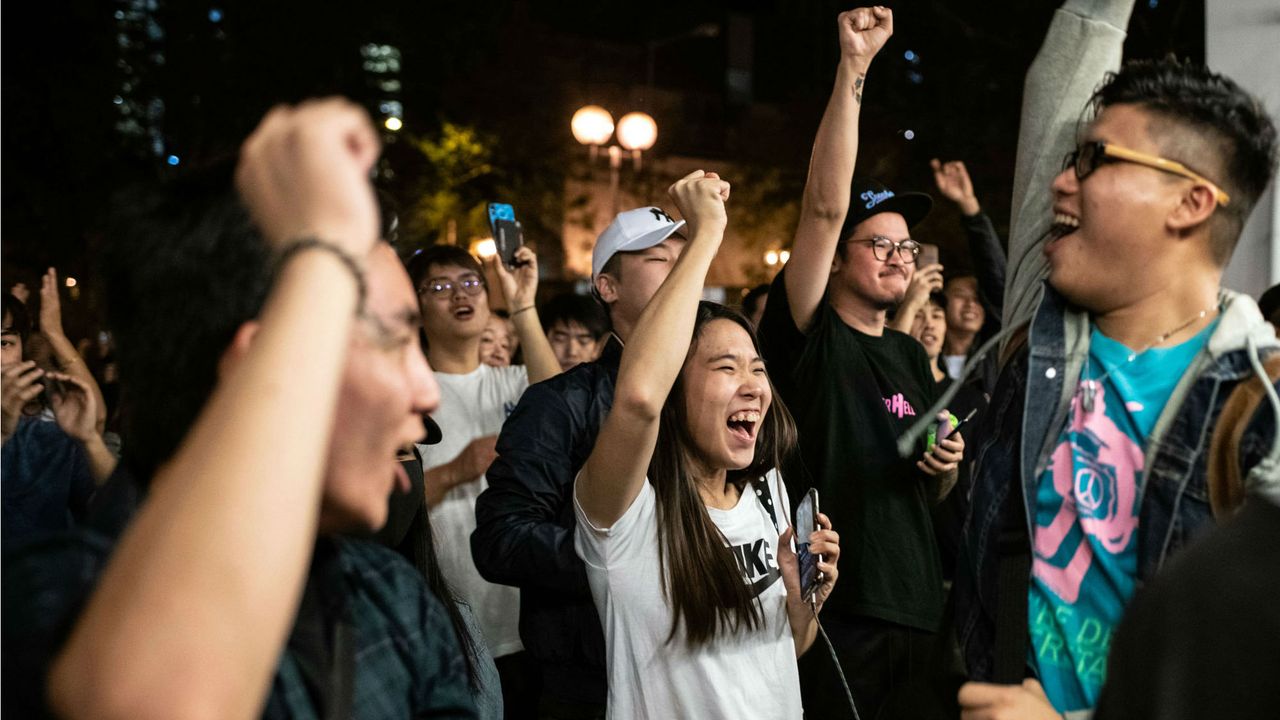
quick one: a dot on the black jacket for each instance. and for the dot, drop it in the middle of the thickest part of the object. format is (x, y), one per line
(525, 525)
(989, 268)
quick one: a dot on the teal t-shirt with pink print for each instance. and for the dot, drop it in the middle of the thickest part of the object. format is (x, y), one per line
(1085, 559)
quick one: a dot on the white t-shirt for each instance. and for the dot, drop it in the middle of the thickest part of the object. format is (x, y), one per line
(752, 674)
(955, 365)
(473, 406)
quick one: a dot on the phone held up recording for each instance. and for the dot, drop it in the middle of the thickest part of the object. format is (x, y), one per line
(806, 525)
(508, 235)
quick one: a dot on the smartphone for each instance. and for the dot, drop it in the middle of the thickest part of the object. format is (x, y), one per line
(508, 237)
(928, 255)
(500, 211)
(806, 524)
(962, 423)
(507, 233)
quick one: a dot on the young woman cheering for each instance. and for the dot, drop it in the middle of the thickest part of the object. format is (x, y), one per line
(682, 520)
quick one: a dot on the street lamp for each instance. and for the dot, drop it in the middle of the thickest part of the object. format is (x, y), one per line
(593, 126)
(637, 132)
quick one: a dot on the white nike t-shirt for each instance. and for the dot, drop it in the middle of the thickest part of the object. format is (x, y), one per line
(752, 674)
(473, 406)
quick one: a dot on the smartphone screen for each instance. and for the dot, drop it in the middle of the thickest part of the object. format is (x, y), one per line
(806, 523)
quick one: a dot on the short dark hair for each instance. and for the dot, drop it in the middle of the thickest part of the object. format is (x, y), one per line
(19, 317)
(1208, 122)
(420, 264)
(752, 299)
(184, 269)
(612, 266)
(573, 308)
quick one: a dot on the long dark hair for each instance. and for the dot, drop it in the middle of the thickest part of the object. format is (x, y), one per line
(703, 582)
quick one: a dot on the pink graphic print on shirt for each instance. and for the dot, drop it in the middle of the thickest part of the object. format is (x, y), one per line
(1096, 479)
(898, 405)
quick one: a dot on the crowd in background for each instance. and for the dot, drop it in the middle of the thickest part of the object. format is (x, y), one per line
(306, 474)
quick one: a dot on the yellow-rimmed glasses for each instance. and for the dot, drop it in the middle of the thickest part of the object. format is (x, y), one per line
(1088, 156)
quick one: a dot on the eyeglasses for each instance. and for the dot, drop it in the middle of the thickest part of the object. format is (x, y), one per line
(882, 246)
(1088, 156)
(470, 283)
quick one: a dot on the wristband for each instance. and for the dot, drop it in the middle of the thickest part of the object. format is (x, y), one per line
(526, 307)
(314, 243)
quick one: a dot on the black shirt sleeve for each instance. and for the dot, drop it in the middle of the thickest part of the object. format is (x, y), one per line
(988, 262)
(781, 342)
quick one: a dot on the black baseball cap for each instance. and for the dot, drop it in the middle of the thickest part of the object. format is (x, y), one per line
(872, 197)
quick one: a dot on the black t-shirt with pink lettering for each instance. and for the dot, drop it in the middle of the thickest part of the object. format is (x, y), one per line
(852, 395)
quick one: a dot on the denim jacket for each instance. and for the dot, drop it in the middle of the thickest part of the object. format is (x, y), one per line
(1031, 399)
(1026, 414)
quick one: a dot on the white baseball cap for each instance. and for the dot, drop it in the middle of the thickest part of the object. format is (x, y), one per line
(631, 231)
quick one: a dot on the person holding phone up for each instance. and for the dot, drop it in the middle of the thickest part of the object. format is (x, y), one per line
(856, 386)
(682, 519)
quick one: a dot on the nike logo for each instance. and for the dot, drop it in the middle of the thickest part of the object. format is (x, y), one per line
(764, 583)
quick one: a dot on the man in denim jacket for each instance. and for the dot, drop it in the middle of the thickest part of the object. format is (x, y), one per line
(1090, 466)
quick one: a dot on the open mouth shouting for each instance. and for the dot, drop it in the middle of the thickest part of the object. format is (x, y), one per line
(463, 312)
(743, 426)
(1063, 224)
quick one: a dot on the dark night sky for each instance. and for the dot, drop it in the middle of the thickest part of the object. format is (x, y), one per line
(516, 70)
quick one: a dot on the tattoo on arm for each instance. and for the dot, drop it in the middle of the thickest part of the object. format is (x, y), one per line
(857, 89)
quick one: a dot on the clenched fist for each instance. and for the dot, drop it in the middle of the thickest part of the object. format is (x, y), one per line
(304, 172)
(864, 31)
(701, 197)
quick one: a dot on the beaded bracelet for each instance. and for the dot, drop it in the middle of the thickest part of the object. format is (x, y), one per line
(314, 243)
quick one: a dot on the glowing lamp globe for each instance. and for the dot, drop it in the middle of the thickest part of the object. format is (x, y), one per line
(637, 131)
(592, 125)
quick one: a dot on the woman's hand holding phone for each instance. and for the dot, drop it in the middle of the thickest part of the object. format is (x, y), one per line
(824, 543)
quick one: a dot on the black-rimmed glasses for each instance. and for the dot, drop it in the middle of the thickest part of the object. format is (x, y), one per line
(882, 247)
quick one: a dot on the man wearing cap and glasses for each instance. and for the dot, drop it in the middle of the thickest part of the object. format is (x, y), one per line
(854, 387)
(525, 520)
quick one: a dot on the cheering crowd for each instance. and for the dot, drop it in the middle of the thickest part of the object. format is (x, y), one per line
(336, 482)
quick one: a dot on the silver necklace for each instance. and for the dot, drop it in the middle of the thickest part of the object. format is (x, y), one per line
(1089, 388)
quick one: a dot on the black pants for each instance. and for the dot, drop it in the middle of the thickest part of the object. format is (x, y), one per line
(877, 657)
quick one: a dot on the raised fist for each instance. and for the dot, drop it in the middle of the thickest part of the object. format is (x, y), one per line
(304, 172)
(864, 31)
(701, 197)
